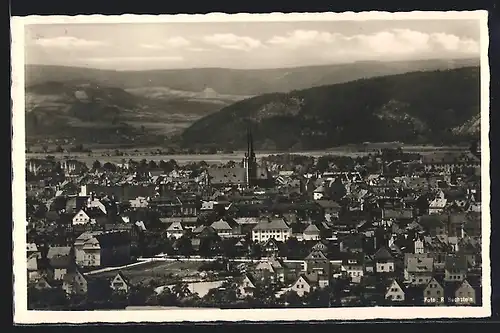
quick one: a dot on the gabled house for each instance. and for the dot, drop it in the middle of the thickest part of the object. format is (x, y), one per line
(175, 230)
(437, 205)
(330, 207)
(311, 232)
(434, 293)
(384, 261)
(90, 216)
(60, 265)
(317, 262)
(222, 228)
(353, 266)
(101, 249)
(302, 286)
(455, 268)
(75, 283)
(271, 269)
(247, 285)
(41, 283)
(394, 291)
(418, 245)
(461, 293)
(33, 266)
(320, 246)
(469, 251)
(419, 269)
(270, 248)
(31, 248)
(120, 283)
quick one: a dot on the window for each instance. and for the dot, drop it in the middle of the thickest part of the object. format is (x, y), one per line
(428, 292)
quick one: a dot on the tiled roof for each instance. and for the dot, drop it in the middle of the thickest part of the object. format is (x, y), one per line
(235, 175)
(273, 224)
(316, 254)
(175, 226)
(221, 225)
(456, 262)
(58, 251)
(419, 264)
(311, 229)
(383, 254)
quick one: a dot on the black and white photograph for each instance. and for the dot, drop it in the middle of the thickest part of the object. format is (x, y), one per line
(255, 167)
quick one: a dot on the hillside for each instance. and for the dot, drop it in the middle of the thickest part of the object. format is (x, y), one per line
(234, 81)
(418, 107)
(90, 112)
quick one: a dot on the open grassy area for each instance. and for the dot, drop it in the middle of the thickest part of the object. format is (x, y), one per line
(162, 272)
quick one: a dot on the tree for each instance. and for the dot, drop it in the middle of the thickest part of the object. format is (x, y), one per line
(173, 163)
(110, 167)
(139, 295)
(152, 165)
(46, 298)
(291, 298)
(185, 247)
(256, 251)
(266, 294)
(292, 246)
(337, 190)
(225, 295)
(323, 163)
(181, 290)
(318, 298)
(167, 298)
(96, 165)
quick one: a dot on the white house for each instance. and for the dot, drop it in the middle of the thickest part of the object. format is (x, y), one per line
(275, 228)
(175, 230)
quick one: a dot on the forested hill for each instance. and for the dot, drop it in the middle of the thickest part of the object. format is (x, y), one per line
(418, 107)
(238, 81)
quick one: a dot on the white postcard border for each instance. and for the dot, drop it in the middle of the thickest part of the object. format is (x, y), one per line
(24, 316)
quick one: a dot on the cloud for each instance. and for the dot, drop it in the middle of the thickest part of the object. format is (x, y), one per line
(173, 42)
(68, 42)
(390, 42)
(233, 42)
(133, 59)
(198, 49)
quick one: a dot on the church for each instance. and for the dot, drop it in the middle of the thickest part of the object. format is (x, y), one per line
(248, 174)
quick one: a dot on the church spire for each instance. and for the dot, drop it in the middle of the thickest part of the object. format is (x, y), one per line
(251, 153)
(249, 139)
(251, 163)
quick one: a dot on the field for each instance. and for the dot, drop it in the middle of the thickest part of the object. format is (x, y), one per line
(106, 155)
(161, 272)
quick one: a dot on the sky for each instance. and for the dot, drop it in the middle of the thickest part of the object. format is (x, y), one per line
(144, 46)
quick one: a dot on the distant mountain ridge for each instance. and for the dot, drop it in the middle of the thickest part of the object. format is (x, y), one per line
(91, 112)
(237, 81)
(418, 107)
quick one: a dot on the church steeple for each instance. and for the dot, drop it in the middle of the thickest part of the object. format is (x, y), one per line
(250, 160)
